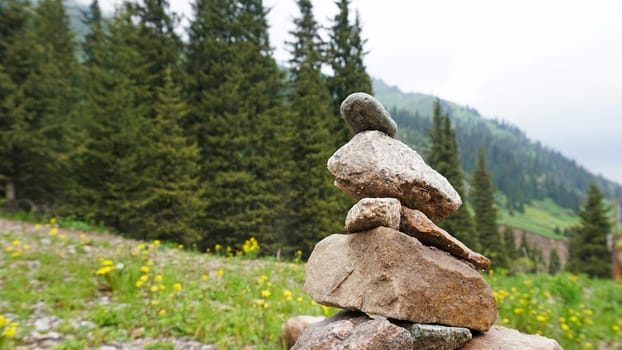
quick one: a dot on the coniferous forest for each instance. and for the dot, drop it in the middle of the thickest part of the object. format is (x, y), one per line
(200, 141)
(206, 140)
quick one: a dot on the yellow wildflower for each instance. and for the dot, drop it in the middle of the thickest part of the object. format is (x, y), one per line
(518, 310)
(541, 318)
(299, 299)
(177, 287)
(139, 284)
(26, 247)
(53, 220)
(10, 331)
(144, 278)
(181, 246)
(144, 269)
(153, 289)
(106, 262)
(156, 243)
(37, 226)
(16, 242)
(9, 248)
(287, 295)
(564, 327)
(158, 278)
(103, 270)
(162, 312)
(54, 231)
(218, 247)
(220, 272)
(3, 321)
(204, 277)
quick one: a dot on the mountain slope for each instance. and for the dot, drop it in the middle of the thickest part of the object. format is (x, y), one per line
(525, 173)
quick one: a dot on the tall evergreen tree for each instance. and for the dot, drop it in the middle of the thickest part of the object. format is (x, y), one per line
(39, 58)
(16, 64)
(172, 201)
(588, 244)
(345, 57)
(482, 197)
(112, 180)
(316, 209)
(444, 157)
(235, 93)
(555, 265)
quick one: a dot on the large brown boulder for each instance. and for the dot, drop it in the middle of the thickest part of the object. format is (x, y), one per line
(500, 338)
(416, 224)
(373, 164)
(386, 272)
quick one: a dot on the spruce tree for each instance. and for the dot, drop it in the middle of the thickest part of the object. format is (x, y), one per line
(172, 202)
(588, 244)
(112, 181)
(38, 56)
(554, 263)
(235, 91)
(482, 197)
(345, 57)
(444, 158)
(315, 208)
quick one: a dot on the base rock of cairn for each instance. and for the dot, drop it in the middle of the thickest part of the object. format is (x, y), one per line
(385, 272)
(407, 280)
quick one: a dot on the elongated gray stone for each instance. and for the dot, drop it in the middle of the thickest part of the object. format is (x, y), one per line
(370, 213)
(436, 337)
(386, 272)
(373, 164)
(362, 112)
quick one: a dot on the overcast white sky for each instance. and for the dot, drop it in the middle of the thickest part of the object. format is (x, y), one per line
(553, 68)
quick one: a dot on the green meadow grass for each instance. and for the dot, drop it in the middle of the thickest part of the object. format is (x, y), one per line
(541, 217)
(129, 289)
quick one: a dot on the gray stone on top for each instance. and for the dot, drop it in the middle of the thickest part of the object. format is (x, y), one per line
(373, 164)
(370, 213)
(362, 112)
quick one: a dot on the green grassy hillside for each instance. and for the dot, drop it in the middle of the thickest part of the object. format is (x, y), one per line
(65, 289)
(539, 188)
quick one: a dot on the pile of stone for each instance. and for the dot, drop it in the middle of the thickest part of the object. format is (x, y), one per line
(402, 281)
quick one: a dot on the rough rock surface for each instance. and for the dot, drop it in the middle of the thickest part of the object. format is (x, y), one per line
(386, 272)
(362, 112)
(510, 339)
(373, 164)
(354, 330)
(378, 334)
(416, 224)
(370, 213)
(436, 337)
(295, 326)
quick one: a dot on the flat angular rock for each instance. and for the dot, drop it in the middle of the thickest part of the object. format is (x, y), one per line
(362, 112)
(510, 339)
(373, 164)
(416, 224)
(370, 213)
(436, 337)
(386, 272)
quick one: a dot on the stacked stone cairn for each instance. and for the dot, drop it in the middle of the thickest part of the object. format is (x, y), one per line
(402, 281)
